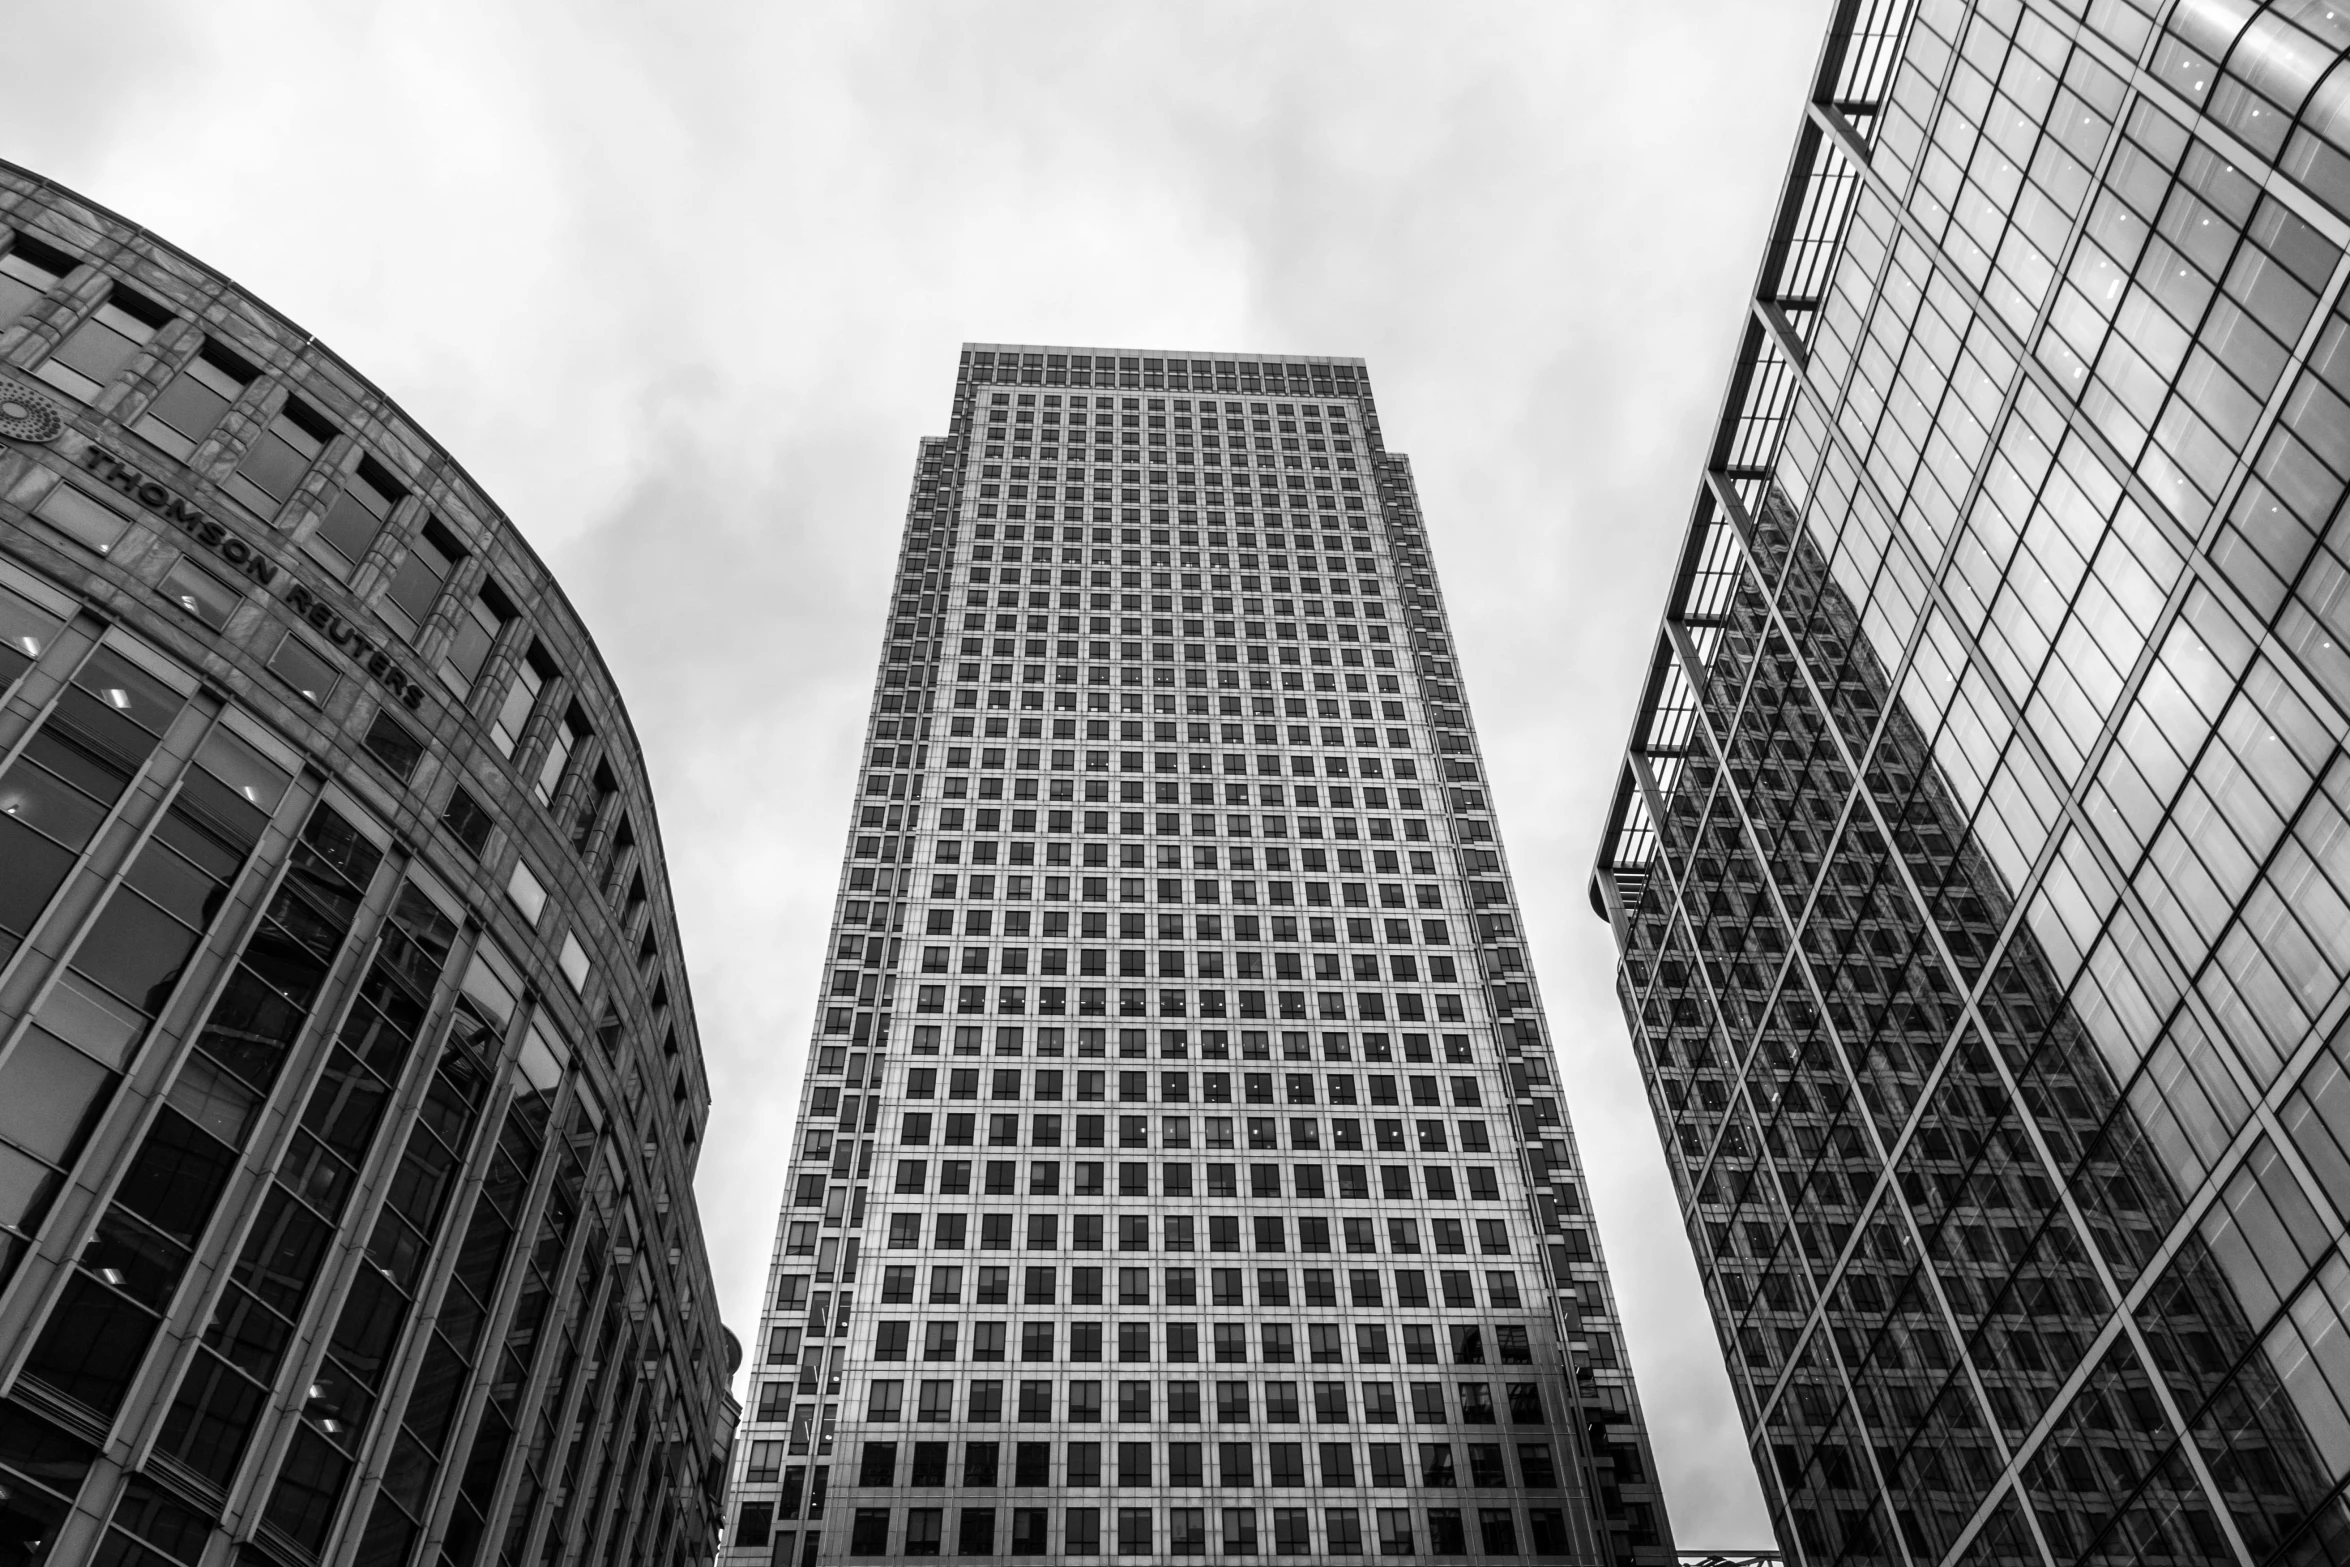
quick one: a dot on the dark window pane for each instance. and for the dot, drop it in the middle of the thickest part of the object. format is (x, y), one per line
(308, 1487)
(176, 1177)
(390, 743)
(211, 1418)
(92, 1345)
(467, 822)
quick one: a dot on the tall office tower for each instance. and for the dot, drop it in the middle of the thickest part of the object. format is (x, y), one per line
(1979, 865)
(1181, 1168)
(349, 1090)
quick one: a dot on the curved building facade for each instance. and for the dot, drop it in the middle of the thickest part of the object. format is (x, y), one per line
(349, 1086)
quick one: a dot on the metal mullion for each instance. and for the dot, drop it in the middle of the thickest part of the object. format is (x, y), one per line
(2195, 564)
(371, 1455)
(1793, 189)
(1796, 964)
(1857, 797)
(2138, 76)
(1967, 1009)
(496, 1321)
(2072, 803)
(540, 1383)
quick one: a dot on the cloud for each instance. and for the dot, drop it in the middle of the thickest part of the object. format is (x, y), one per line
(683, 286)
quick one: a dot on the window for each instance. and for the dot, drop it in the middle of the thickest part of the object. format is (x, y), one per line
(188, 410)
(1548, 1528)
(305, 669)
(565, 740)
(573, 961)
(1293, 1533)
(467, 821)
(274, 464)
(1134, 1531)
(95, 352)
(1134, 1463)
(27, 272)
(1445, 1535)
(753, 1524)
(1081, 1530)
(975, 1532)
(432, 555)
(1028, 1530)
(80, 517)
(526, 892)
(522, 697)
(869, 1533)
(200, 593)
(470, 644)
(390, 743)
(1345, 1526)
(588, 808)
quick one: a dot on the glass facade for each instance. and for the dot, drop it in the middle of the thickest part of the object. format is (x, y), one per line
(349, 1094)
(1181, 1167)
(1980, 859)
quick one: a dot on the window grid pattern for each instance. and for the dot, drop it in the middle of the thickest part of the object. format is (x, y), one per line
(1180, 1117)
(1985, 963)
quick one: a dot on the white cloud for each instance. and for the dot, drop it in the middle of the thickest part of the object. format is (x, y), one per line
(683, 285)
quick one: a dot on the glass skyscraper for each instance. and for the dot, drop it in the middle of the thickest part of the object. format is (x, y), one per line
(1979, 866)
(1181, 1166)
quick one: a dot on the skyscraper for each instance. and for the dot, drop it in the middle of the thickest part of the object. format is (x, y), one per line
(1181, 1167)
(349, 1089)
(1978, 866)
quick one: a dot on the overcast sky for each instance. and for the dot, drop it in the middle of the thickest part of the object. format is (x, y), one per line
(683, 283)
